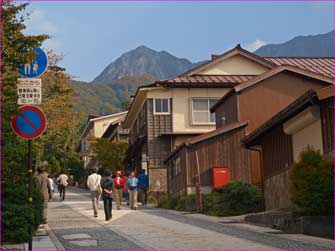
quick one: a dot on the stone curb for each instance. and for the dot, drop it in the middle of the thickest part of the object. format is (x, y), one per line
(54, 238)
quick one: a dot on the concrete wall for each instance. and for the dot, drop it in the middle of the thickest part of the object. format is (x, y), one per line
(157, 180)
(305, 129)
(276, 192)
(235, 65)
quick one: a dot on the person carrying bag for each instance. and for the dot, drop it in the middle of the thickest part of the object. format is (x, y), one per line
(93, 183)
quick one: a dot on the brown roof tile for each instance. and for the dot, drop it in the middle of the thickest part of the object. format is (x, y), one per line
(319, 65)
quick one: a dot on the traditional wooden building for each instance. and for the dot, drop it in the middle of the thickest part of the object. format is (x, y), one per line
(241, 110)
(165, 114)
(95, 128)
(308, 121)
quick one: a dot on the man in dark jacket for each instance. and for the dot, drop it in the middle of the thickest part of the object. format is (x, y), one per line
(107, 185)
(143, 185)
(43, 184)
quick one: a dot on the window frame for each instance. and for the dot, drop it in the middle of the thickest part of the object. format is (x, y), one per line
(161, 113)
(209, 112)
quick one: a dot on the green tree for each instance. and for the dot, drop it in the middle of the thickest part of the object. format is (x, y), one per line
(110, 154)
(17, 49)
(311, 184)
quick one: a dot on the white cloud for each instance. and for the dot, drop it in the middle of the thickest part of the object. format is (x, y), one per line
(53, 44)
(36, 15)
(48, 27)
(255, 45)
(39, 23)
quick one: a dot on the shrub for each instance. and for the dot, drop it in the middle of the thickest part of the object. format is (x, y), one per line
(168, 203)
(311, 184)
(186, 203)
(241, 198)
(17, 215)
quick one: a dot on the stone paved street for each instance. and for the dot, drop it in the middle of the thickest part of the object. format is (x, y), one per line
(73, 224)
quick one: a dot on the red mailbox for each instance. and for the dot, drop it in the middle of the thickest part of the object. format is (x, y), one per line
(220, 176)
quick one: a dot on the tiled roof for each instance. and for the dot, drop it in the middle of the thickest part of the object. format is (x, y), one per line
(319, 65)
(205, 80)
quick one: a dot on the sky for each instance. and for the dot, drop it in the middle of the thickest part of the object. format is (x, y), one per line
(93, 34)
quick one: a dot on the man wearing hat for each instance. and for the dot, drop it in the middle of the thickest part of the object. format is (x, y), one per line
(118, 187)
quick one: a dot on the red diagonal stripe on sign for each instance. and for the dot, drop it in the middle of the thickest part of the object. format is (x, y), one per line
(28, 121)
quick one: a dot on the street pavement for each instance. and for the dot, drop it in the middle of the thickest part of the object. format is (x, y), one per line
(71, 226)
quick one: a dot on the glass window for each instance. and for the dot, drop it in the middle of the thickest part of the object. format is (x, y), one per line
(162, 105)
(201, 111)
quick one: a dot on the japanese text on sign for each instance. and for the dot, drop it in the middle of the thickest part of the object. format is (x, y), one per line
(29, 91)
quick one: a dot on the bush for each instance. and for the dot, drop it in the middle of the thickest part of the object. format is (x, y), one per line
(186, 203)
(17, 214)
(241, 198)
(311, 184)
(234, 199)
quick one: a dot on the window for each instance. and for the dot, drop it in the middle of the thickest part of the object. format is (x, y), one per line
(201, 111)
(223, 119)
(176, 167)
(162, 106)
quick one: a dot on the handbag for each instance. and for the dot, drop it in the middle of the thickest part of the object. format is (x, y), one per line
(99, 189)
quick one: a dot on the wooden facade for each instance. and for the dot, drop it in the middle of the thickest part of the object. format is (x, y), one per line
(226, 112)
(277, 146)
(327, 124)
(222, 150)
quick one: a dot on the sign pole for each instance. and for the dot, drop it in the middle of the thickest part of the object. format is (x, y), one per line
(198, 185)
(30, 191)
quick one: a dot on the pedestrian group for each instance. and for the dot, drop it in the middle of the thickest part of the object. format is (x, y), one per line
(106, 187)
(110, 188)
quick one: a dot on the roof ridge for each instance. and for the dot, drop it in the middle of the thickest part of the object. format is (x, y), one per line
(299, 57)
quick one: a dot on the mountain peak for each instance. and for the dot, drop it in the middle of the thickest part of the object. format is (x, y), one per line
(143, 60)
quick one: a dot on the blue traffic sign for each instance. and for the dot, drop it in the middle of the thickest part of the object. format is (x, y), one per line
(30, 123)
(36, 67)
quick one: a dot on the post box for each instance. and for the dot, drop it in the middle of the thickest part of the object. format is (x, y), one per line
(220, 176)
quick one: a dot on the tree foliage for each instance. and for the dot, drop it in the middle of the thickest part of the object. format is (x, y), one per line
(110, 154)
(17, 49)
(57, 144)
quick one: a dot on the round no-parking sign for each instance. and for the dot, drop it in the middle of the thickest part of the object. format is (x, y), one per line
(30, 123)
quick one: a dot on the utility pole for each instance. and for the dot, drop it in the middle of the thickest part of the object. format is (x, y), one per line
(198, 186)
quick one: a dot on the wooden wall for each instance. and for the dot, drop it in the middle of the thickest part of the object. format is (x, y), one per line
(277, 152)
(222, 151)
(158, 147)
(227, 108)
(327, 124)
(259, 103)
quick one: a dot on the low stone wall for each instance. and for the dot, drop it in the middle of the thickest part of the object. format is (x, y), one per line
(276, 191)
(320, 226)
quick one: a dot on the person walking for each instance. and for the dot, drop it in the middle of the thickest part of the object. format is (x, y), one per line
(107, 185)
(125, 188)
(62, 181)
(143, 185)
(52, 187)
(93, 184)
(132, 188)
(118, 189)
(43, 184)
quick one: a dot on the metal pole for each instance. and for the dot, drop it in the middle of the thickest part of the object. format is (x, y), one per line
(30, 191)
(198, 186)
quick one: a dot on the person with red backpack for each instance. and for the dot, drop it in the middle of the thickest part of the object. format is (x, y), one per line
(118, 189)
